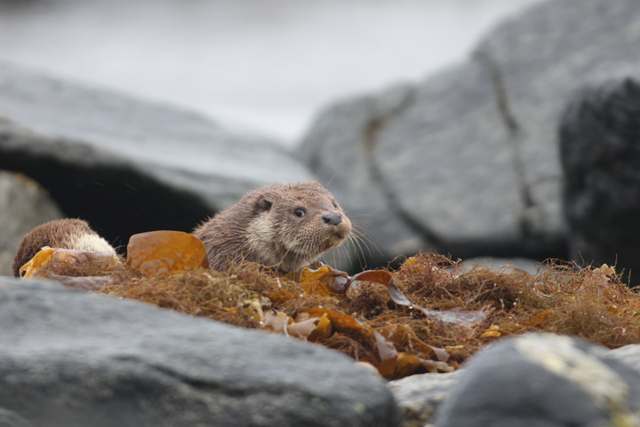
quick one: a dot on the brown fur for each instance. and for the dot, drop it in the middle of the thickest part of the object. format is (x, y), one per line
(60, 234)
(263, 227)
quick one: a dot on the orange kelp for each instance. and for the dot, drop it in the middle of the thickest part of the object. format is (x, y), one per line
(428, 316)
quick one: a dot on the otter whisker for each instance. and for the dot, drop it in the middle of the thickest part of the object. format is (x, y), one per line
(334, 175)
(361, 229)
(360, 244)
(360, 254)
(337, 251)
(354, 242)
(303, 255)
(346, 251)
(353, 247)
(282, 260)
(298, 257)
(365, 238)
(348, 256)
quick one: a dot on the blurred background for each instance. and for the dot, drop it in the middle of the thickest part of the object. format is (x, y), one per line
(475, 128)
(263, 66)
(493, 131)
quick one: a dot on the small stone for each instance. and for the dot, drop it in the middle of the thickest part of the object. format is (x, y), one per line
(24, 205)
(419, 395)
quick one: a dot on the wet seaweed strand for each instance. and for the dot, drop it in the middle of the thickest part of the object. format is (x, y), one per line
(587, 302)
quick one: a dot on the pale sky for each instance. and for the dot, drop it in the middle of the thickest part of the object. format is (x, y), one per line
(265, 66)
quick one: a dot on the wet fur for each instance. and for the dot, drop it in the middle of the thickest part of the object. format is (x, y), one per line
(61, 234)
(262, 227)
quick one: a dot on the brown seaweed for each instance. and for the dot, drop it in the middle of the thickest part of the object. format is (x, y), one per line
(430, 315)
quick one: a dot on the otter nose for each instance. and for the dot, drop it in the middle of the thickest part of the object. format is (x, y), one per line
(332, 219)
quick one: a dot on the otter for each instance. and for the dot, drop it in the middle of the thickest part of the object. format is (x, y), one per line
(283, 225)
(59, 234)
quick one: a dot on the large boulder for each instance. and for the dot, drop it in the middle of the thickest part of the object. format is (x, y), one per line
(75, 359)
(543, 380)
(23, 206)
(600, 147)
(467, 161)
(419, 396)
(127, 165)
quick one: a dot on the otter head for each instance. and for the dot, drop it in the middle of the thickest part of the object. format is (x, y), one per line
(297, 223)
(65, 233)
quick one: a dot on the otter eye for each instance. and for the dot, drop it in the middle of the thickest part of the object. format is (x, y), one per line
(299, 213)
(335, 205)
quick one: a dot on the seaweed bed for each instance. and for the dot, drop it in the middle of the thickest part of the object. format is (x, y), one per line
(429, 315)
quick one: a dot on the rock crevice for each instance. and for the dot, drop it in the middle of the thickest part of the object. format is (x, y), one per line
(370, 134)
(514, 139)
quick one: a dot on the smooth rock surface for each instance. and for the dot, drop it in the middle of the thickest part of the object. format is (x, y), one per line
(74, 359)
(334, 151)
(543, 380)
(126, 165)
(23, 206)
(467, 161)
(419, 395)
(600, 153)
(629, 354)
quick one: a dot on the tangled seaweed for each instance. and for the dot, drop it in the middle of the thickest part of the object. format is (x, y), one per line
(429, 315)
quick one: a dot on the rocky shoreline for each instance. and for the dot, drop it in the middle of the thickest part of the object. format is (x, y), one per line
(526, 150)
(73, 358)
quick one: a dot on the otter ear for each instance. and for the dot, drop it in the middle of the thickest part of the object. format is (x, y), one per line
(265, 203)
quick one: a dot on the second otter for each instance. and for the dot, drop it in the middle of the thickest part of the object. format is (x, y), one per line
(288, 225)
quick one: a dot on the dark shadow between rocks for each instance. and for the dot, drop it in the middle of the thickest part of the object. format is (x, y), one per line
(116, 200)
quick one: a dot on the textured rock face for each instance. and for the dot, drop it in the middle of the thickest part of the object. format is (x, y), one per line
(23, 206)
(600, 146)
(467, 161)
(128, 166)
(543, 380)
(74, 359)
(629, 354)
(419, 395)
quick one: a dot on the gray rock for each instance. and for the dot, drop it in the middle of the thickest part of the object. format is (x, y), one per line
(419, 395)
(23, 206)
(629, 354)
(11, 419)
(600, 142)
(508, 265)
(467, 161)
(338, 150)
(439, 169)
(127, 165)
(543, 380)
(75, 359)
